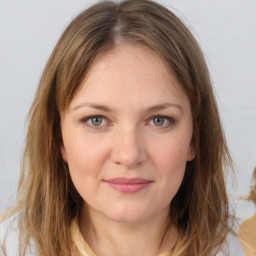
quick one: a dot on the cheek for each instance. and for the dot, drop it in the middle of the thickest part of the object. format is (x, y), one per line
(84, 154)
(84, 160)
(170, 158)
(170, 153)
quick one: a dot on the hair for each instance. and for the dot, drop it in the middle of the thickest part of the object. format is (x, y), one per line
(252, 194)
(200, 207)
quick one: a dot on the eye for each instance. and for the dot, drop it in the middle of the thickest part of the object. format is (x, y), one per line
(95, 121)
(162, 121)
(158, 121)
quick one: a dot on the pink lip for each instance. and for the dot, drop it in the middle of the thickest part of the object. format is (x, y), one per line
(125, 185)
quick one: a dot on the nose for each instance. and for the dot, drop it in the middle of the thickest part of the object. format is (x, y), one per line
(128, 148)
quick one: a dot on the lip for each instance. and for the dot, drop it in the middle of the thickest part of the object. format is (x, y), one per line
(128, 186)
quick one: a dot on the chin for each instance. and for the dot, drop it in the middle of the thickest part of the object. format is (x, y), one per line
(127, 219)
(128, 216)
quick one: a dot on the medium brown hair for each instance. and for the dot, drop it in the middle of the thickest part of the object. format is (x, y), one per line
(252, 194)
(46, 192)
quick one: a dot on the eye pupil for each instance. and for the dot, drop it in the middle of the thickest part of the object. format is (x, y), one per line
(96, 121)
(158, 121)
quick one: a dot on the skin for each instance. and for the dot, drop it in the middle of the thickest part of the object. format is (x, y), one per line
(126, 88)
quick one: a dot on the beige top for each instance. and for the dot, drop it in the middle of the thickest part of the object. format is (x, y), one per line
(247, 235)
(80, 246)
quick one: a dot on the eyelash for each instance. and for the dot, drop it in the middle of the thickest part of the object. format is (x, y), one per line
(87, 119)
(171, 121)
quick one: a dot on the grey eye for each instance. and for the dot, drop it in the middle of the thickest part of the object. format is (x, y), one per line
(96, 121)
(158, 121)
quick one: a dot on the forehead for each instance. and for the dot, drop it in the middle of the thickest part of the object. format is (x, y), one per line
(132, 71)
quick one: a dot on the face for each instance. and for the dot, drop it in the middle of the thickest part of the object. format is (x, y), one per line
(127, 136)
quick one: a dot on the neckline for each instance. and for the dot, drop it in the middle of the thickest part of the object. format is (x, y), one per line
(79, 243)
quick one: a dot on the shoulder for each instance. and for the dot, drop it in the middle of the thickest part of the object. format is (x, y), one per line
(248, 224)
(247, 235)
(9, 237)
(232, 247)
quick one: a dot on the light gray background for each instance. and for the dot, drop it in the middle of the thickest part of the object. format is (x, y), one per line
(225, 29)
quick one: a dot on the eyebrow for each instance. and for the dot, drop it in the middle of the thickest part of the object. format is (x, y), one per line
(92, 105)
(164, 106)
(148, 110)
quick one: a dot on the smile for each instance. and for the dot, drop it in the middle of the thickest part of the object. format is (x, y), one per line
(128, 186)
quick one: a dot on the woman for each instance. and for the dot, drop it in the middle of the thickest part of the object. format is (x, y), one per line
(247, 229)
(125, 153)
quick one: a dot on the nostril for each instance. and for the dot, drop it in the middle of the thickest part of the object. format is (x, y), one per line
(128, 148)
(131, 158)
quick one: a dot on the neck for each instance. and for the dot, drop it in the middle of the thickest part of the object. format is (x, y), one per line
(110, 238)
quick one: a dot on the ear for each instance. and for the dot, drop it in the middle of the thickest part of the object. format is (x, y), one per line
(63, 153)
(191, 153)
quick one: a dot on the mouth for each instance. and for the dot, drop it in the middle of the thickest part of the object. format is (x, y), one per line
(128, 186)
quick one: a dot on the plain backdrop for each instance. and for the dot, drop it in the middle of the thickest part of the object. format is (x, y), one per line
(225, 29)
